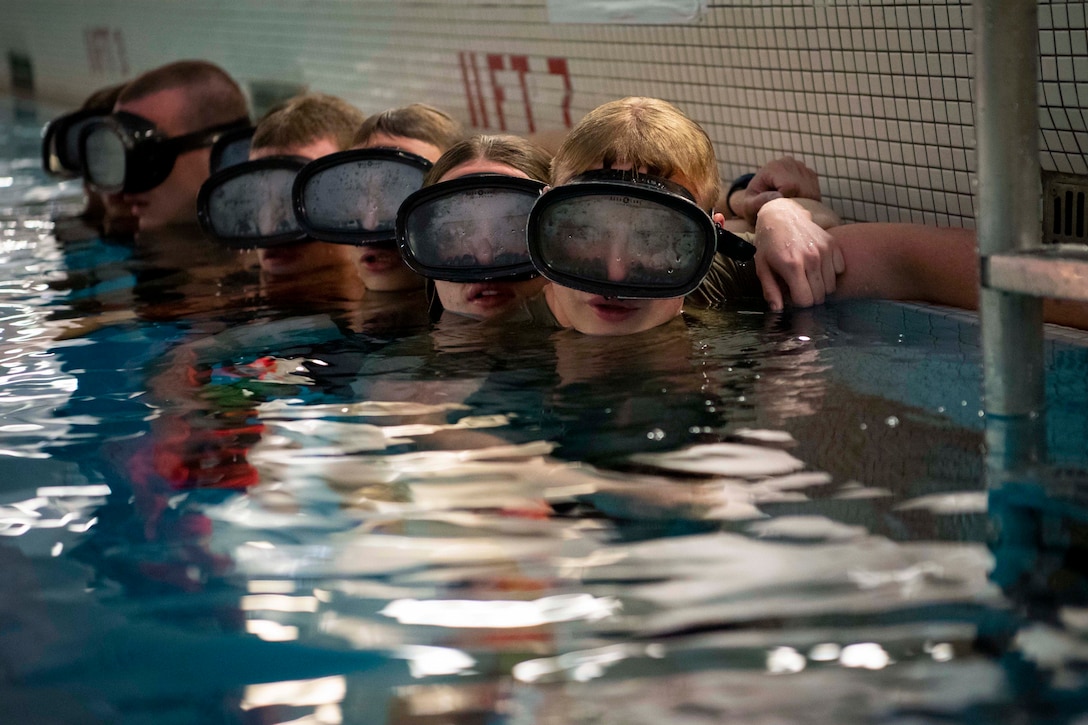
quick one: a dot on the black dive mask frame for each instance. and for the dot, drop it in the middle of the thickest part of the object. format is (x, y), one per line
(466, 185)
(149, 154)
(357, 237)
(219, 178)
(612, 182)
(56, 140)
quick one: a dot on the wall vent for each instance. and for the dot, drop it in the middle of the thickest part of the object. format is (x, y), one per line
(1065, 209)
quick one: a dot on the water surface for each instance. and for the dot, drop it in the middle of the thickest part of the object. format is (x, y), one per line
(222, 505)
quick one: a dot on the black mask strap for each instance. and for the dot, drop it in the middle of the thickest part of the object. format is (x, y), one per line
(633, 177)
(733, 246)
(202, 138)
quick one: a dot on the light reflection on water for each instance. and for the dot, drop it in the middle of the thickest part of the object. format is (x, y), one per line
(214, 502)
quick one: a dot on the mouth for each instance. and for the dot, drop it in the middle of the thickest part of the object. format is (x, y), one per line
(488, 296)
(379, 260)
(610, 309)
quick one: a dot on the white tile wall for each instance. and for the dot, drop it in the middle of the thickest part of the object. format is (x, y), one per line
(875, 95)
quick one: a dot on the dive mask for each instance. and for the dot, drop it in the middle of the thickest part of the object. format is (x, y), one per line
(60, 143)
(470, 229)
(231, 148)
(126, 153)
(352, 197)
(619, 234)
(249, 204)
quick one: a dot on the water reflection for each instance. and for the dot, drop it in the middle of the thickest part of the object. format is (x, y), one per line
(227, 500)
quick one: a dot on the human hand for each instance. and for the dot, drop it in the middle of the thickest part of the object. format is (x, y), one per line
(794, 255)
(784, 177)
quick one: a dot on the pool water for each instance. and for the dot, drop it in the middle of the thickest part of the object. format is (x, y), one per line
(221, 507)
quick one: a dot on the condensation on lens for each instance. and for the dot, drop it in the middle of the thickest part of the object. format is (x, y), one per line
(105, 161)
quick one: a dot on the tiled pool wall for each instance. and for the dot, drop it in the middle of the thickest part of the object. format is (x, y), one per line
(875, 95)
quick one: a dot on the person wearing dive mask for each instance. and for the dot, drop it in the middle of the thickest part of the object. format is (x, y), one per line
(154, 149)
(107, 214)
(423, 132)
(625, 243)
(605, 283)
(465, 230)
(250, 204)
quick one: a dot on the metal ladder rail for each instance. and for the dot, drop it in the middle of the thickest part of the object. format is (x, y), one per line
(1016, 272)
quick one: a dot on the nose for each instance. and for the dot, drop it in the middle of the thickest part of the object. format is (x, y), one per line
(482, 245)
(617, 269)
(371, 217)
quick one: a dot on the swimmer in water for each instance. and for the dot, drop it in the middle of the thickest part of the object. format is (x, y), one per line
(417, 129)
(106, 214)
(466, 229)
(627, 233)
(307, 127)
(154, 149)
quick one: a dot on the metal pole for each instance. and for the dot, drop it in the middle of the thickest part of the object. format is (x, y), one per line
(1009, 190)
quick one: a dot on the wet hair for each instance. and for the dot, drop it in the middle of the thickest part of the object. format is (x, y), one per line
(418, 121)
(214, 97)
(514, 151)
(307, 118)
(643, 132)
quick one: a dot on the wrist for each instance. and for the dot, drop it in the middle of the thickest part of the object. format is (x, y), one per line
(739, 184)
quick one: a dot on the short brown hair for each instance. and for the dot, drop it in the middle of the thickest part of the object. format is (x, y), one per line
(418, 121)
(513, 151)
(643, 132)
(104, 99)
(214, 97)
(304, 119)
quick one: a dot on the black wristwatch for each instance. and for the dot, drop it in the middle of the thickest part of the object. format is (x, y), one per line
(741, 182)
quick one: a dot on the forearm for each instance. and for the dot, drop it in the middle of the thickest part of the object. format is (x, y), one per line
(908, 262)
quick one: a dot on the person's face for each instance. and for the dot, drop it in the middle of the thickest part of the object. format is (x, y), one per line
(484, 299)
(380, 266)
(117, 216)
(597, 315)
(594, 314)
(305, 258)
(172, 202)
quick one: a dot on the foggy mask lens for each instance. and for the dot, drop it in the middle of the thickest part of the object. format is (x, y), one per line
(352, 197)
(621, 238)
(249, 204)
(103, 152)
(469, 229)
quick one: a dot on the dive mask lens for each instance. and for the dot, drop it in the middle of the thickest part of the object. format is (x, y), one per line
(470, 229)
(621, 237)
(249, 204)
(352, 197)
(231, 148)
(104, 157)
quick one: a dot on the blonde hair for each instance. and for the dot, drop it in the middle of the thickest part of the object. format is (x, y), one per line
(514, 151)
(646, 133)
(307, 118)
(417, 120)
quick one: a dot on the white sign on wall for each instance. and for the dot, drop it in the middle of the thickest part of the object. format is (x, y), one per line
(626, 12)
